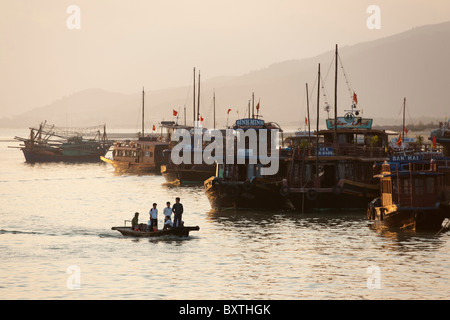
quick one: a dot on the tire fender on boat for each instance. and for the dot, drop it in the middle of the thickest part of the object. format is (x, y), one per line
(311, 194)
(337, 189)
(285, 191)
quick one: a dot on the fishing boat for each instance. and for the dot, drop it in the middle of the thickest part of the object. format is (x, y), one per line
(48, 143)
(413, 195)
(334, 169)
(187, 173)
(142, 232)
(144, 155)
(241, 184)
(442, 136)
(190, 173)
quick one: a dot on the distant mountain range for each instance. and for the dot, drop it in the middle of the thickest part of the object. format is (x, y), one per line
(414, 64)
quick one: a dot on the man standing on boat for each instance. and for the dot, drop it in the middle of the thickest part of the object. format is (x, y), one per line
(177, 209)
(168, 211)
(153, 217)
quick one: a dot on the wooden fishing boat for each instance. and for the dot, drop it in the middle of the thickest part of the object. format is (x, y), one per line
(146, 154)
(442, 136)
(241, 184)
(141, 156)
(51, 144)
(187, 173)
(333, 169)
(412, 196)
(142, 233)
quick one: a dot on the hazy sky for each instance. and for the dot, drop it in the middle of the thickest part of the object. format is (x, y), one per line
(123, 45)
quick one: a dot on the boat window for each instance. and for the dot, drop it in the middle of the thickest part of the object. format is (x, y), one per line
(418, 186)
(429, 185)
(220, 171)
(406, 186)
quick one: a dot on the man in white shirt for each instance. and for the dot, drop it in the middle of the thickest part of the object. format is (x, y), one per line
(168, 211)
(153, 217)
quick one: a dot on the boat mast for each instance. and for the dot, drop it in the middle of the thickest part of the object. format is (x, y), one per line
(335, 93)
(143, 94)
(307, 107)
(194, 100)
(317, 128)
(403, 129)
(198, 101)
(253, 105)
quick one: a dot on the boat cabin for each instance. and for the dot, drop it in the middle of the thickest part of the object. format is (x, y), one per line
(407, 187)
(140, 152)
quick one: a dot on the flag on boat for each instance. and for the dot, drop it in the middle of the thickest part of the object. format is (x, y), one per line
(201, 119)
(228, 112)
(406, 130)
(257, 106)
(154, 128)
(355, 98)
(306, 121)
(434, 142)
(399, 140)
(175, 113)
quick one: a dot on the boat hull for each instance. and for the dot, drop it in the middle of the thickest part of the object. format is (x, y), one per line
(129, 167)
(180, 232)
(33, 156)
(422, 219)
(346, 195)
(244, 195)
(195, 175)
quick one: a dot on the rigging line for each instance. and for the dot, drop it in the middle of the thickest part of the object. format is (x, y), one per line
(329, 68)
(312, 90)
(324, 91)
(346, 78)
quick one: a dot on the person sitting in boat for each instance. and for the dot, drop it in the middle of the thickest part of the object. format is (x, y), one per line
(168, 211)
(154, 217)
(135, 221)
(168, 224)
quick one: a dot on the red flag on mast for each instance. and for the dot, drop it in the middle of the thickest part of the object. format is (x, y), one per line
(355, 97)
(399, 140)
(228, 112)
(175, 113)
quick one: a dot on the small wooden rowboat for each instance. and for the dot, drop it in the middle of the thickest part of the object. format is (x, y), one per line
(181, 232)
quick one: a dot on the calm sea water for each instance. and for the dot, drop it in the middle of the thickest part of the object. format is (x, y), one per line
(56, 242)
